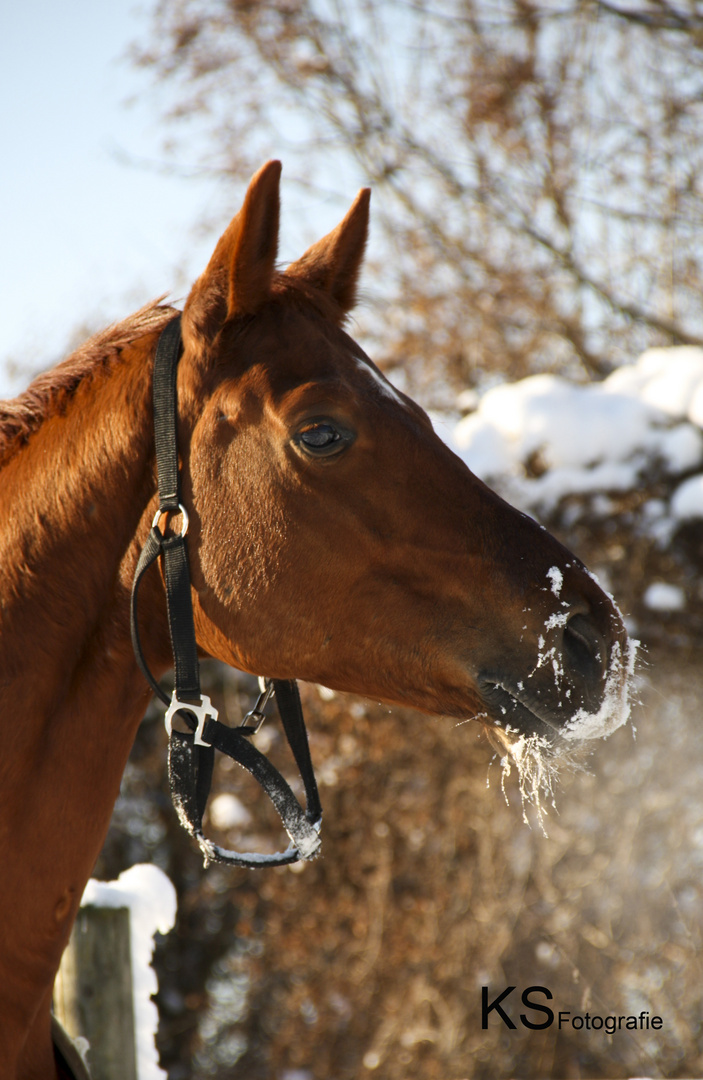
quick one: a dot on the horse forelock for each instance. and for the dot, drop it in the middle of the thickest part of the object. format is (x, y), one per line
(50, 391)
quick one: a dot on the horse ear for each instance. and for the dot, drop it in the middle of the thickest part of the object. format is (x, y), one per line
(238, 277)
(333, 263)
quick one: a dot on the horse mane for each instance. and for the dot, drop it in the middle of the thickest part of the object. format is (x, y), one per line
(50, 391)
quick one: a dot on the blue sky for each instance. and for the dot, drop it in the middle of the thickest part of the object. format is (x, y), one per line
(84, 236)
(87, 235)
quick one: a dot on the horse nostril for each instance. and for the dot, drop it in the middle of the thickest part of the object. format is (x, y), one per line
(585, 648)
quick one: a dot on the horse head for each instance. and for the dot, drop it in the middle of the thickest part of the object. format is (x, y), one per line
(334, 536)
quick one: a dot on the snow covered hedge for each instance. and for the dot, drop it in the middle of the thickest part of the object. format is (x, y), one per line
(544, 438)
(624, 455)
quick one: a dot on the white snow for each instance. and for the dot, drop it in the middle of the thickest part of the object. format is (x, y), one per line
(661, 596)
(687, 500)
(228, 812)
(543, 438)
(556, 579)
(615, 709)
(151, 899)
(667, 379)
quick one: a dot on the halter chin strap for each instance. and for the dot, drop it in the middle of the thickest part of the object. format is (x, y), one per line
(192, 751)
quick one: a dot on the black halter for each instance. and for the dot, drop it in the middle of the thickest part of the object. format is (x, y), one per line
(192, 752)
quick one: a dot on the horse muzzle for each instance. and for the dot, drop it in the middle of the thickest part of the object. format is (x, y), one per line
(577, 687)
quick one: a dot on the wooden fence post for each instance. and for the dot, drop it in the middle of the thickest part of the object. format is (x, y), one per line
(93, 991)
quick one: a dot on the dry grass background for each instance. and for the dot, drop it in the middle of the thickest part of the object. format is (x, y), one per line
(372, 959)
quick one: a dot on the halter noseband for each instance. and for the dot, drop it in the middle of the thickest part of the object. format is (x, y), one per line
(192, 752)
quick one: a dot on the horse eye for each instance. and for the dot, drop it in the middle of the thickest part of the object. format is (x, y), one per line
(322, 439)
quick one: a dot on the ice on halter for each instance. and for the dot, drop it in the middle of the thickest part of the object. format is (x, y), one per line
(151, 899)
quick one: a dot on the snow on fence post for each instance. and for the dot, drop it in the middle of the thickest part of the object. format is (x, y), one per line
(93, 991)
(146, 896)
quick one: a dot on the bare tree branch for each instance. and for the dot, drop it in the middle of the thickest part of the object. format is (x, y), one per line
(537, 168)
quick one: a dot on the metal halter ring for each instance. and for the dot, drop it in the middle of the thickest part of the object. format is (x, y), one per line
(253, 720)
(164, 513)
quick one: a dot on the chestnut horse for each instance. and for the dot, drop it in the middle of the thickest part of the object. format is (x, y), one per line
(333, 538)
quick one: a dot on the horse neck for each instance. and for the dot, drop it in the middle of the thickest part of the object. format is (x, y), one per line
(72, 499)
(74, 509)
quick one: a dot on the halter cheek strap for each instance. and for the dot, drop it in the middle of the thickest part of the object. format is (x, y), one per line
(192, 752)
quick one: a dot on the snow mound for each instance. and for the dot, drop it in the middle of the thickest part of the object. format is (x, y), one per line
(544, 438)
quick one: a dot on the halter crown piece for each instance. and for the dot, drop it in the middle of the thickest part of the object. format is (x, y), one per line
(191, 755)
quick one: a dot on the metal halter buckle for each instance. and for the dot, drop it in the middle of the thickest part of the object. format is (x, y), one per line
(257, 713)
(202, 712)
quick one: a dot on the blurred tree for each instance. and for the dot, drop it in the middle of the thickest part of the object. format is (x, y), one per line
(536, 164)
